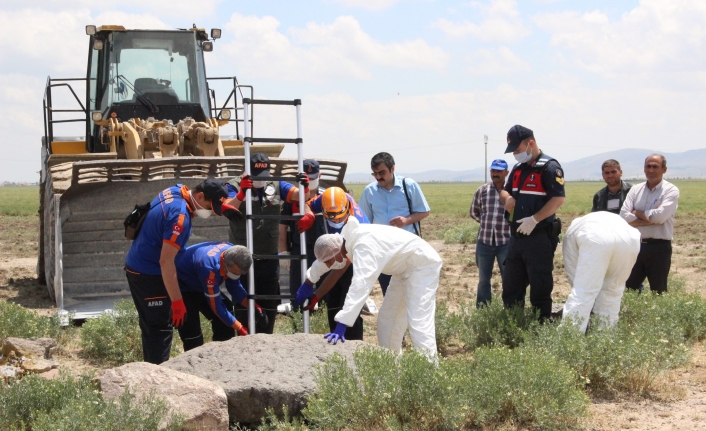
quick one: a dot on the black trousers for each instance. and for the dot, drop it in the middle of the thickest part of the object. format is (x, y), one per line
(530, 261)
(335, 299)
(190, 332)
(154, 309)
(653, 262)
(266, 283)
(384, 281)
(295, 271)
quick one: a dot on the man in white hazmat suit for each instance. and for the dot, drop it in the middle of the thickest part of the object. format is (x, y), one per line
(600, 250)
(411, 296)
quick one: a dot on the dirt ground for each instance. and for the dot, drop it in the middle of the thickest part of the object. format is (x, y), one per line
(682, 406)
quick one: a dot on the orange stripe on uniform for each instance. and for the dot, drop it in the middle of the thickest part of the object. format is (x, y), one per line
(210, 284)
(180, 223)
(291, 192)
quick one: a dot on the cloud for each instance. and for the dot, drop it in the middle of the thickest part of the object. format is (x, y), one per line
(340, 50)
(368, 4)
(502, 23)
(656, 36)
(54, 43)
(182, 9)
(500, 61)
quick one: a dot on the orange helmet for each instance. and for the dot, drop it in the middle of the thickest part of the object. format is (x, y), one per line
(335, 204)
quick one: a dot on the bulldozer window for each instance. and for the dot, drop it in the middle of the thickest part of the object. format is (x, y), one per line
(160, 66)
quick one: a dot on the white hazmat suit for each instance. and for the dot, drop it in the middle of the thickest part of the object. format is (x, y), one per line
(411, 296)
(600, 250)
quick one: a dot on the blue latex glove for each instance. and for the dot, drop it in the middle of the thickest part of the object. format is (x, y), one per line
(305, 292)
(337, 334)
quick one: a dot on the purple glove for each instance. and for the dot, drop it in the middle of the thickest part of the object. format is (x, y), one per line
(305, 292)
(337, 334)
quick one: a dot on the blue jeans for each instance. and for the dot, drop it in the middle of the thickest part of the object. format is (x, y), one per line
(485, 257)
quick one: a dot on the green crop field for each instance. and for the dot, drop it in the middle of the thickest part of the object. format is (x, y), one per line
(454, 199)
(451, 199)
(19, 200)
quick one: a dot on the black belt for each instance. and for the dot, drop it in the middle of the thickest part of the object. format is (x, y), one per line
(653, 240)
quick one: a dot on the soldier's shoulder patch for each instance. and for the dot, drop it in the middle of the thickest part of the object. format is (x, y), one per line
(560, 180)
(559, 173)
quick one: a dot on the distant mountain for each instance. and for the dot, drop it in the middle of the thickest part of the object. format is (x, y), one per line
(689, 164)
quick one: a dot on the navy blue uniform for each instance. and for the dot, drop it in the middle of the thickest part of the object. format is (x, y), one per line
(530, 259)
(167, 222)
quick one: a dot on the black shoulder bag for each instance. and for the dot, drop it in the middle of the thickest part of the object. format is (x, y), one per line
(409, 205)
(133, 221)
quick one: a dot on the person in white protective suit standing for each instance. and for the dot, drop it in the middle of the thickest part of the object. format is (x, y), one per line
(600, 250)
(410, 301)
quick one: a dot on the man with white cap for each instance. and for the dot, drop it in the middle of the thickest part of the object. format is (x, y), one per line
(600, 250)
(410, 302)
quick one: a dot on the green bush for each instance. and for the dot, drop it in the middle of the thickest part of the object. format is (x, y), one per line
(613, 360)
(465, 232)
(447, 325)
(69, 403)
(318, 322)
(409, 391)
(17, 321)
(114, 337)
(494, 325)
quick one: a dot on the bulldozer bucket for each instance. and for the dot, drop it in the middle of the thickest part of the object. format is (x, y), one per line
(86, 202)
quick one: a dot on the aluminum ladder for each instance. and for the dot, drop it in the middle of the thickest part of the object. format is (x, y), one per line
(247, 141)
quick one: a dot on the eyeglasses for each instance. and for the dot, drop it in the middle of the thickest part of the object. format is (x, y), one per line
(381, 173)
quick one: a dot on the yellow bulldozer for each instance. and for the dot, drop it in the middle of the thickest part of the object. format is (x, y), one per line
(151, 121)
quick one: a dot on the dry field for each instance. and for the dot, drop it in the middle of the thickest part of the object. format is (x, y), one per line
(680, 406)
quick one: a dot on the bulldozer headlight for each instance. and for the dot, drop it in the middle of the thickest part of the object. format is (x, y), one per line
(90, 30)
(225, 114)
(207, 46)
(97, 44)
(96, 116)
(215, 33)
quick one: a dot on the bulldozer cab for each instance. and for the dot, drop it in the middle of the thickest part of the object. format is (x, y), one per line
(146, 73)
(152, 120)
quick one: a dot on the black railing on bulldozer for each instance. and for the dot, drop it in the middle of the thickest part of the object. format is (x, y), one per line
(49, 109)
(237, 88)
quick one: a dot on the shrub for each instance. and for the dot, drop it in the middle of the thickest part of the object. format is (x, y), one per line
(115, 336)
(464, 232)
(494, 325)
(318, 322)
(410, 391)
(70, 403)
(17, 321)
(447, 325)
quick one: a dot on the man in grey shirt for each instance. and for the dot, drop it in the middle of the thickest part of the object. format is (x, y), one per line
(611, 197)
(650, 207)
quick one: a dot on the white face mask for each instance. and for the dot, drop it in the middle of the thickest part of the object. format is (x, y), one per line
(524, 157)
(259, 184)
(232, 276)
(314, 184)
(339, 265)
(200, 211)
(336, 225)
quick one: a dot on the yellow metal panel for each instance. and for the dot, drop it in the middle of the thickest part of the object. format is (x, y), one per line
(68, 147)
(232, 143)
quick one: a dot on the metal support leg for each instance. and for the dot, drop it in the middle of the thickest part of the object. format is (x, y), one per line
(248, 221)
(302, 204)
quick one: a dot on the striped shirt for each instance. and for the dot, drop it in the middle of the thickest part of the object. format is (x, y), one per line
(487, 210)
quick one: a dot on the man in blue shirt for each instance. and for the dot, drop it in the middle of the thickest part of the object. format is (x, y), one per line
(201, 271)
(150, 263)
(392, 200)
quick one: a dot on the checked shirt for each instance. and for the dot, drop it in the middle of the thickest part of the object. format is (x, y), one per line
(487, 210)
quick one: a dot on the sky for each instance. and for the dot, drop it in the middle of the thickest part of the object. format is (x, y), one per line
(423, 80)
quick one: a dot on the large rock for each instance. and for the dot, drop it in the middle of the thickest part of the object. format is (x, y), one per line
(262, 371)
(203, 403)
(36, 348)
